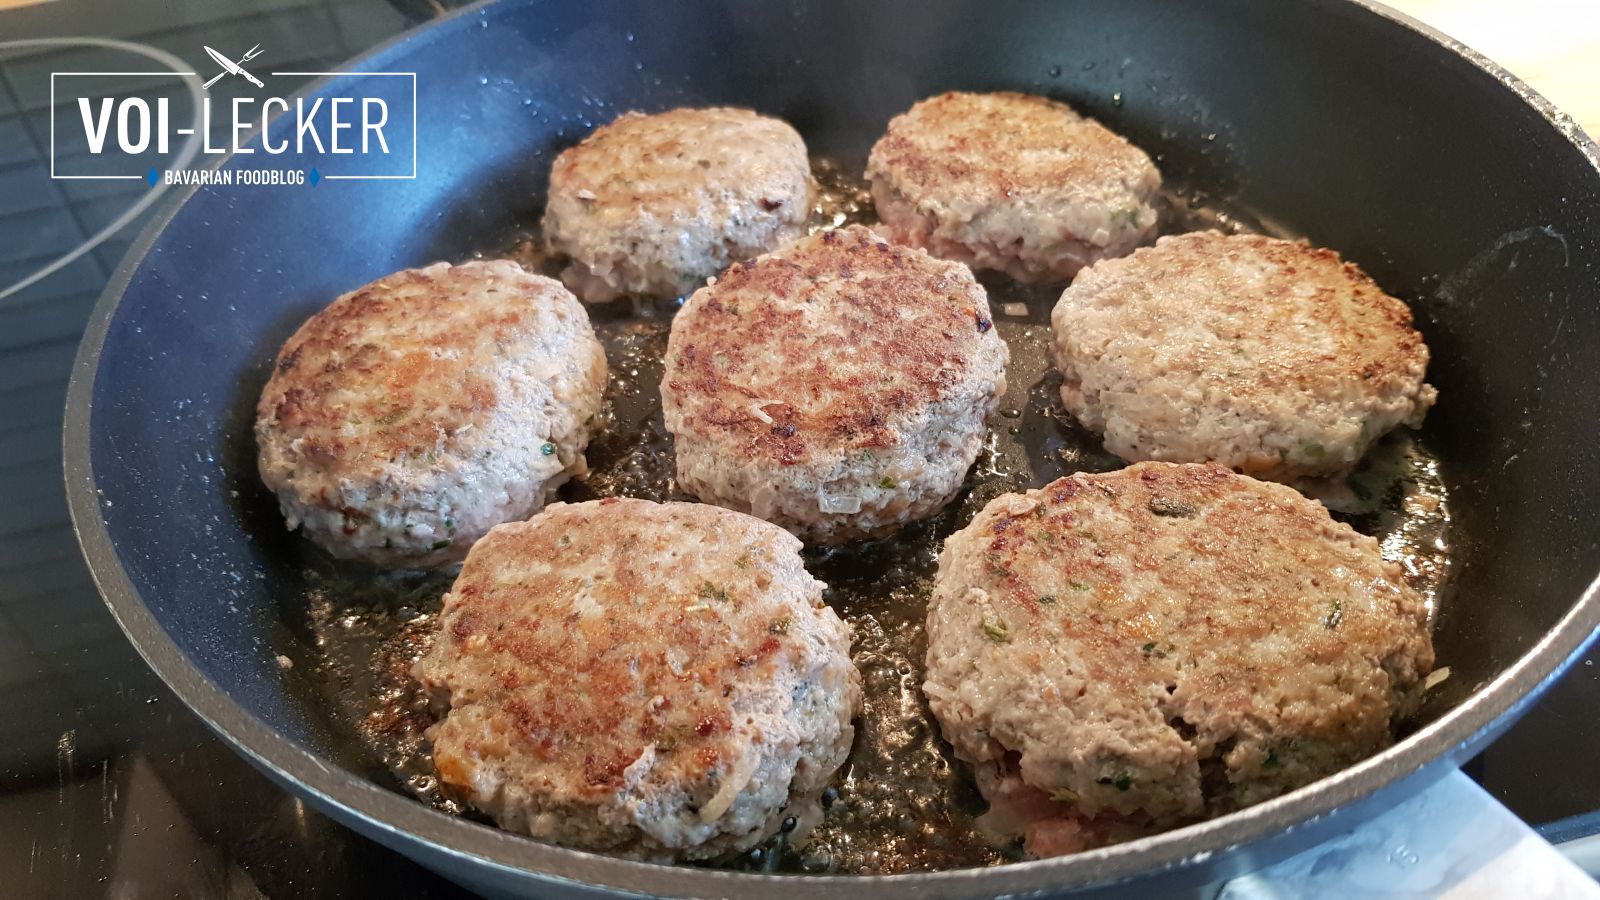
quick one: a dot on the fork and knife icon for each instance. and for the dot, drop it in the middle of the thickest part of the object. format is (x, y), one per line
(229, 67)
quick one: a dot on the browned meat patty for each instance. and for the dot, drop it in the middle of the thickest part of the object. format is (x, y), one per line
(414, 414)
(1272, 357)
(837, 387)
(659, 681)
(653, 205)
(1121, 653)
(1013, 182)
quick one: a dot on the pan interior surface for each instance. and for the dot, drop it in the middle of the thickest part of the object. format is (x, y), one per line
(1328, 121)
(903, 802)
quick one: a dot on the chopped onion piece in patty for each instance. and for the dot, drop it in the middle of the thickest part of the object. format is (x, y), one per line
(844, 503)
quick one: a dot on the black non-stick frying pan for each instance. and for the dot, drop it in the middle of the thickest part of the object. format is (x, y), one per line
(1449, 181)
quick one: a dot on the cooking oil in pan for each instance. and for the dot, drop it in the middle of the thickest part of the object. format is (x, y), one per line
(902, 802)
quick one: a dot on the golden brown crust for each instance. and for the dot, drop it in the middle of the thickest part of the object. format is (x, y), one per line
(412, 415)
(655, 204)
(1012, 182)
(403, 364)
(1168, 641)
(837, 338)
(1273, 357)
(1368, 333)
(975, 148)
(588, 657)
(1231, 536)
(650, 164)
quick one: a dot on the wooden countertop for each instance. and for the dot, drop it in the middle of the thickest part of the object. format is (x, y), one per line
(1553, 45)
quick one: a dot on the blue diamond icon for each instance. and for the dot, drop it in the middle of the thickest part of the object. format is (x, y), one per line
(153, 176)
(315, 177)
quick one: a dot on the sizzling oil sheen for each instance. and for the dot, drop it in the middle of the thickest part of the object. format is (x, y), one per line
(904, 803)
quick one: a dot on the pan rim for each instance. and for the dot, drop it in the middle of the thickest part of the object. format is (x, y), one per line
(355, 799)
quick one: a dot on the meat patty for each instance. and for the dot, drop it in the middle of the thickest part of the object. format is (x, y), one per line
(652, 205)
(1272, 357)
(837, 387)
(413, 414)
(1012, 182)
(658, 681)
(1120, 653)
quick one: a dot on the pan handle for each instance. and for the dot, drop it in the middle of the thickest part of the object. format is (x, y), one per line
(1452, 840)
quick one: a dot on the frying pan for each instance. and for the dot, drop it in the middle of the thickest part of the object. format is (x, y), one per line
(1449, 181)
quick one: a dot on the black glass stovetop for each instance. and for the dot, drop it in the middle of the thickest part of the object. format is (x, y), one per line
(108, 785)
